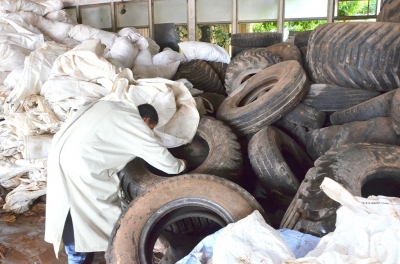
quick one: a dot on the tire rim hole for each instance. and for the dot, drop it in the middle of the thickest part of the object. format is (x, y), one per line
(257, 93)
(195, 153)
(298, 169)
(159, 227)
(247, 77)
(382, 183)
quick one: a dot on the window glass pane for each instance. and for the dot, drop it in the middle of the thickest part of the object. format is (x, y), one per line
(213, 11)
(98, 16)
(305, 8)
(170, 11)
(356, 8)
(257, 10)
(136, 14)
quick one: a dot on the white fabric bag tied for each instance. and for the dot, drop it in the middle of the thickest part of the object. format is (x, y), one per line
(84, 32)
(36, 71)
(178, 115)
(250, 241)
(367, 230)
(196, 50)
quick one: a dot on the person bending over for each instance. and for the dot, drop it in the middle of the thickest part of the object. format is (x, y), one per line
(93, 145)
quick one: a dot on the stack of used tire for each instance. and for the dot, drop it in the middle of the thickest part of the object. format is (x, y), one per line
(285, 125)
(245, 41)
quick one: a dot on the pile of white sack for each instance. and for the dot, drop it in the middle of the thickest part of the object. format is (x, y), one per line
(50, 65)
(367, 231)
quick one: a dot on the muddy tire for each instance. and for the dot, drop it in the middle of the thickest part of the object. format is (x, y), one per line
(279, 163)
(306, 116)
(223, 158)
(237, 50)
(137, 229)
(377, 130)
(373, 108)
(214, 99)
(395, 111)
(255, 39)
(201, 75)
(295, 131)
(354, 60)
(219, 68)
(390, 12)
(332, 98)
(287, 51)
(312, 211)
(266, 97)
(247, 64)
(301, 38)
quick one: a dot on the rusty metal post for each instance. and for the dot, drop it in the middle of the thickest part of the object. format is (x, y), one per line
(234, 17)
(331, 11)
(151, 19)
(281, 17)
(191, 20)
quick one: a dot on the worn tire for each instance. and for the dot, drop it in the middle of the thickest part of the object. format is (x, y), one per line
(376, 107)
(295, 131)
(312, 211)
(301, 38)
(224, 159)
(264, 39)
(395, 111)
(390, 12)
(332, 98)
(306, 116)
(201, 75)
(237, 50)
(220, 69)
(287, 51)
(137, 229)
(279, 163)
(215, 100)
(266, 97)
(247, 64)
(346, 54)
(377, 130)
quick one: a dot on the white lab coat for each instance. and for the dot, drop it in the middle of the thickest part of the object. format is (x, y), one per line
(91, 147)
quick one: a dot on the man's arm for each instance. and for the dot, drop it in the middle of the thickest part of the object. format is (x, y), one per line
(160, 158)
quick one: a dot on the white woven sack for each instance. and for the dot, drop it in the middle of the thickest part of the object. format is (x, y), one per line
(154, 48)
(3, 76)
(42, 9)
(168, 56)
(36, 147)
(11, 57)
(6, 28)
(60, 16)
(176, 108)
(36, 71)
(57, 31)
(124, 51)
(154, 71)
(85, 32)
(126, 31)
(195, 50)
(143, 58)
(14, 77)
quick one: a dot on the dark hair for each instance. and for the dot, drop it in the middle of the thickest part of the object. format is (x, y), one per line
(147, 110)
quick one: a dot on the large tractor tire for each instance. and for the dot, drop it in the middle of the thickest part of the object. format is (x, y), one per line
(390, 12)
(356, 167)
(356, 55)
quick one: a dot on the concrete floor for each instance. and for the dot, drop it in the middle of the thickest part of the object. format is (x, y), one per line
(22, 239)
